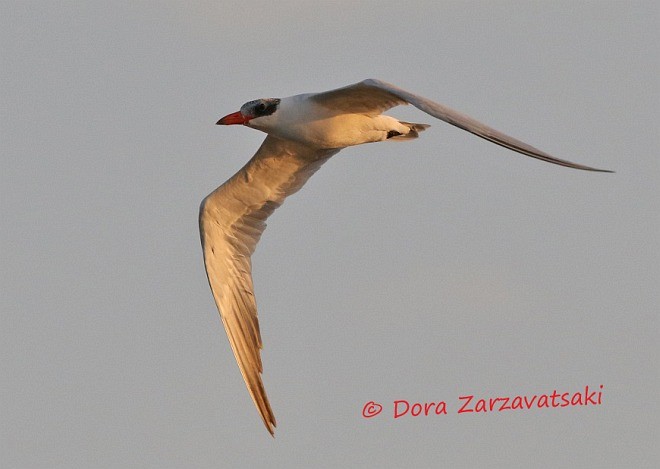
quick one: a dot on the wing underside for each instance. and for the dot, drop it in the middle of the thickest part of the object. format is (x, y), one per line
(232, 219)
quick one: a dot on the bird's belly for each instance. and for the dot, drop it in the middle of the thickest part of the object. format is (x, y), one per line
(341, 131)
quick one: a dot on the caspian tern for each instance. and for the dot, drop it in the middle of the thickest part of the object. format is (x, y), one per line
(304, 131)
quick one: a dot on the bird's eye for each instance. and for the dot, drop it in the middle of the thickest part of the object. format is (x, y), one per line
(261, 107)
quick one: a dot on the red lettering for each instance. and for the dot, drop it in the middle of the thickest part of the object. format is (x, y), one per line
(396, 409)
(576, 399)
(481, 406)
(428, 406)
(467, 402)
(554, 396)
(441, 408)
(529, 404)
(416, 409)
(506, 405)
(589, 396)
(517, 403)
(543, 401)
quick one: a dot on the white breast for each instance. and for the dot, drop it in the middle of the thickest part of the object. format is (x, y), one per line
(302, 120)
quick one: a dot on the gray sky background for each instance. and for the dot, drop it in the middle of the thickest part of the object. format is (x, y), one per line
(423, 270)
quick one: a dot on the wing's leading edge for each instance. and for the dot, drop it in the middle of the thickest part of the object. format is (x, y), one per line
(374, 96)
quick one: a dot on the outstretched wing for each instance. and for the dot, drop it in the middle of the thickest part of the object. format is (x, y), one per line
(231, 221)
(374, 97)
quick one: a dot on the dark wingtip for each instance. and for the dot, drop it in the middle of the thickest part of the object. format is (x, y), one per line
(600, 170)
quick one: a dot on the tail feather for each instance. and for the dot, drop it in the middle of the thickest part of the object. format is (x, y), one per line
(415, 129)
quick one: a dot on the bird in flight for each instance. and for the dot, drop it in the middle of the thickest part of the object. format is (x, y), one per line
(303, 132)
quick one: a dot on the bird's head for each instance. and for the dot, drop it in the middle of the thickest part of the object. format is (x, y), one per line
(253, 113)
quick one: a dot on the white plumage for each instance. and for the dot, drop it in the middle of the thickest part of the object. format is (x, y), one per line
(303, 132)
